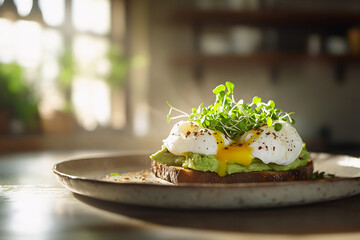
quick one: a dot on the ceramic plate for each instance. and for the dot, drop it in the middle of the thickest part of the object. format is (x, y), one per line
(135, 185)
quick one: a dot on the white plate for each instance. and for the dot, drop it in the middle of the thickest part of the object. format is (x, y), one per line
(82, 176)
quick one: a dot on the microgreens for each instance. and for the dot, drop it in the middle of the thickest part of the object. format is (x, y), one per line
(234, 118)
(320, 175)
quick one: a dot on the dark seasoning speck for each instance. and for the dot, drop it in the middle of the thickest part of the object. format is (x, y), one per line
(139, 176)
(275, 136)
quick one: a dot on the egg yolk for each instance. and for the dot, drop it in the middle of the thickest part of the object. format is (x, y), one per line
(238, 152)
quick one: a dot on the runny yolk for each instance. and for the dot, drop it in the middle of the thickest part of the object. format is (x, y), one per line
(236, 152)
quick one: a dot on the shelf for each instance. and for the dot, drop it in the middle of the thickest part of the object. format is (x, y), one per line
(265, 58)
(292, 26)
(288, 18)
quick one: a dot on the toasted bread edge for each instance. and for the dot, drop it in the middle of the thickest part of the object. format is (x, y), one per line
(177, 175)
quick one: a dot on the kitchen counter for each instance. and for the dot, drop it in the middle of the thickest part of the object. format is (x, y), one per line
(35, 206)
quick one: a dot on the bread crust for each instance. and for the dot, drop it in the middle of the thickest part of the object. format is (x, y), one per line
(177, 175)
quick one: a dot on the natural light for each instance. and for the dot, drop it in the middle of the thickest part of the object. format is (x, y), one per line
(45, 47)
(95, 19)
(53, 11)
(23, 7)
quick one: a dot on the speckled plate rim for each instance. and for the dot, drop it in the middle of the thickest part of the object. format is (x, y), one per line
(233, 185)
(80, 185)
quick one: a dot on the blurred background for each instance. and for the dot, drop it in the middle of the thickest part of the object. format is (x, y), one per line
(96, 74)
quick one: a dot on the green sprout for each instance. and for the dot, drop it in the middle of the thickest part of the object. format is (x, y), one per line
(234, 118)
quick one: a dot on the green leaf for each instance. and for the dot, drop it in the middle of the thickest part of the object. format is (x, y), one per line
(243, 126)
(269, 121)
(218, 89)
(271, 103)
(258, 108)
(278, 126)
(114, 174)
(256, 100)
(168, 117)
(230, 87)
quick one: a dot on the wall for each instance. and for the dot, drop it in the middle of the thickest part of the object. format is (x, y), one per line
(322, 105)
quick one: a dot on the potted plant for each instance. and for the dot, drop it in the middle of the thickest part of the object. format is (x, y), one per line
(18, 102)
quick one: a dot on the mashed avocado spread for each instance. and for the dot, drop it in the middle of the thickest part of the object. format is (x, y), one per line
(205, 163)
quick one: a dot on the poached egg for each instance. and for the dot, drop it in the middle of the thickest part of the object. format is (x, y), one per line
(265, 143)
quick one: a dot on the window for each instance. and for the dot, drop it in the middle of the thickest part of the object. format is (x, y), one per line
(64, 47)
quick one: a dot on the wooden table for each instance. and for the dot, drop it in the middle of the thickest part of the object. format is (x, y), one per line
(33, 205)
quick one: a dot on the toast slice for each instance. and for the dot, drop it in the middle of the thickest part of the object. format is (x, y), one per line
(177, 175)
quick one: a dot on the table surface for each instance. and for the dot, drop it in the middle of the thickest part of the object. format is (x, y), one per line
(33, 205)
